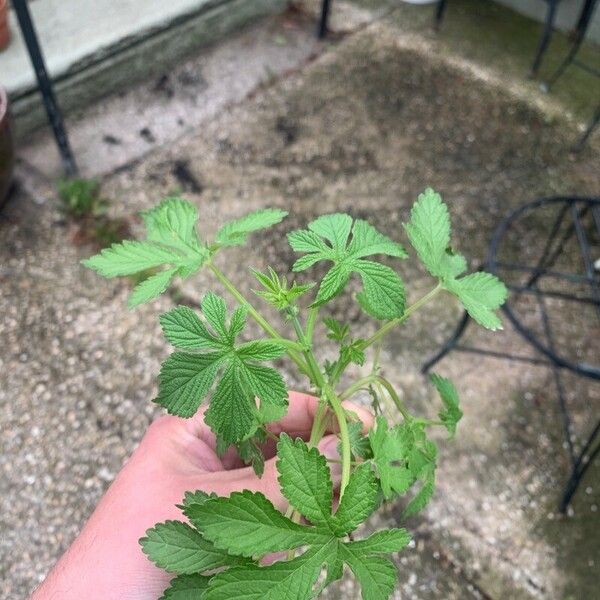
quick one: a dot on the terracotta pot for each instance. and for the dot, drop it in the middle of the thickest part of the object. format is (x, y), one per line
(4, 31)
(7, 150)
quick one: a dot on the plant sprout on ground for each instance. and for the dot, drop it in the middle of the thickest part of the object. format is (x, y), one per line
(217, 554)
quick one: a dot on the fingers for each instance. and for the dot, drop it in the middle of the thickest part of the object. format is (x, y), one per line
(297, 422)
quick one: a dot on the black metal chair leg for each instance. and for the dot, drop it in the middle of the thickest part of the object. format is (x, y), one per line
(449, 345)
(324, 20)
(579, 469)
(564, 64)
(545, 39)
(45, 85)
(440, 9)
(588, 132)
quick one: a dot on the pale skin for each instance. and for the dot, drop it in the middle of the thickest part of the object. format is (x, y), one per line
(105, 562)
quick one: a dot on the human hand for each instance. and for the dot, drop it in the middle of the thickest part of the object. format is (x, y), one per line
(175, 455)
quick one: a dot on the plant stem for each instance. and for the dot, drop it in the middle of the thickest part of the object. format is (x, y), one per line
(310, 323)
(394, 396)
(338, 409)
(385, 329)
(357, 385)
(315, 373)
(382, 381)
(293, 354)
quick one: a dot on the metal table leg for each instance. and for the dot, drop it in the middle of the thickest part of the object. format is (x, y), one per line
(584, 138)
(546, 34)
(45, 85)
(325, 7)
(439, 13)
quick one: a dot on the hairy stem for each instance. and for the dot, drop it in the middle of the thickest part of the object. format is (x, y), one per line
(314, 371)
(385, 329)
(383, 382)
(389, 388)
(264, 324)
(338, 409)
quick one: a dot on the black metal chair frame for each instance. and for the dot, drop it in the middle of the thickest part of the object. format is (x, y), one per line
(571, 59)
(577, 208)
(45, 86)
(579, 32)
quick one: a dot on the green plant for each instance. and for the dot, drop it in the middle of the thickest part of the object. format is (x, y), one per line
(81, 197)
(217, 557)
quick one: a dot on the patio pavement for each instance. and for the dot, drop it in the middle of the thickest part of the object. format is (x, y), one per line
(361, 124)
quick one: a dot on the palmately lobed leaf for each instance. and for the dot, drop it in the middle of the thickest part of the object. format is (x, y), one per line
(186, 378)
(328, 239)
(171, 241)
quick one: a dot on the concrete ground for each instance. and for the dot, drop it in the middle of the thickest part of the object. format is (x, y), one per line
(360, 124)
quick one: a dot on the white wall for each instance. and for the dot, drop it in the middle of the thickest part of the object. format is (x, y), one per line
(567, 15)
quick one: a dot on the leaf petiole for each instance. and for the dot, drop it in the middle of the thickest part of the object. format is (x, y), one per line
(385, 329)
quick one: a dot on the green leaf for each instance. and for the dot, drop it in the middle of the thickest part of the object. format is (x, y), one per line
(215, 310)
(178, 548)
(305, 480)
(186, 378)
(359, 443)
(422, 498)
(334, 228)
(366, 241)
(333, 283)
(235, 233)
(480, 294)
(290, 580)
(390, 451)
(173, 223)
(248, 524)
(232, 411)
(429, 232)
(130, 257)
(383, 295)
(338, 331)
(260, 350)
(328, 239)
(151, 288)
(377, 575)
(265, 382)
(171, 241)
(384, 541)
(184, 329)
(197, 497)
(452, 414)
(186, 587)
(359, 500)
(251, 454)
